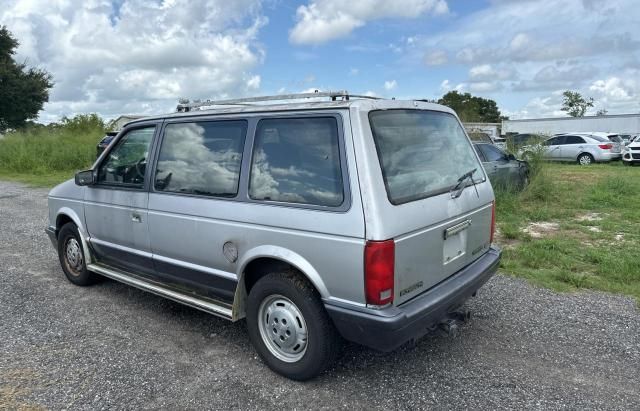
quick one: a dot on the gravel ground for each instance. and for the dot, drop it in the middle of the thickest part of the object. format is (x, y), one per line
(112, 346)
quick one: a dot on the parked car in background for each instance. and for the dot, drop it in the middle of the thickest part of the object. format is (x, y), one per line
(500, 142)
(104, 143)
(626, 138)
(481, 137)
(478, 136)
(503, 169)
(582, 148)
(631, 153)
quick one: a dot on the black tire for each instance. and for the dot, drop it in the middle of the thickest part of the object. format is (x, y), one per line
(585, 159)
(322, 339)
(74, 268)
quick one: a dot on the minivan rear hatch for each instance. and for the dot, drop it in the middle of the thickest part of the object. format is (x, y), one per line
(441, 203)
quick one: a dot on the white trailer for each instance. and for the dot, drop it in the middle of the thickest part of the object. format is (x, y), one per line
(619, 124)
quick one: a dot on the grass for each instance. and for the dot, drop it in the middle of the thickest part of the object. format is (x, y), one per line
(45, 156)
(594, 218)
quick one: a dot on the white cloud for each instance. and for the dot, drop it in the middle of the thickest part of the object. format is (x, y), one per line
(486, 72)
(390, 85)
(484, 86)
(614, 88)
(254, 82)
(481, 72)
(324, 20)
(436, 58)
(544, 46)
(618, 94)
(615, 94)
(137, 57)
(354, 71)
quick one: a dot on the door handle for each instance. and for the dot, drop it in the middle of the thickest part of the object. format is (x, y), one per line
(135, 217)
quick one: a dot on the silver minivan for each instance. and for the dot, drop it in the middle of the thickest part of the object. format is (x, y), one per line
(352, 218)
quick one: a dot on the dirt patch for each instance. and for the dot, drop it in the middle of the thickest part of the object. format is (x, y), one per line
(503, 242)
(541, 229)
(595, 229)
(14, 386)
(590, 217)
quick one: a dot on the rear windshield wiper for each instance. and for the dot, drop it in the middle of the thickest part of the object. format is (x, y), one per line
(456, 191)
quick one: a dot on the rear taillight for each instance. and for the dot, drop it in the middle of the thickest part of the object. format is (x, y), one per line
(493, 221)
(379, 261)
(605, 146)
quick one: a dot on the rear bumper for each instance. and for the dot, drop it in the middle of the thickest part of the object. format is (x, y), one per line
(387, 329)
(609, 156)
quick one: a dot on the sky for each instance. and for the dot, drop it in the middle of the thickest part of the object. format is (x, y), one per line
(116, 57)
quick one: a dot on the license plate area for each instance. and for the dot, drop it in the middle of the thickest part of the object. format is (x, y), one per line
(455, 242)
(454, 247)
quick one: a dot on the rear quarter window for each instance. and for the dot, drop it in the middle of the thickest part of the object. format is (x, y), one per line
(297, 160)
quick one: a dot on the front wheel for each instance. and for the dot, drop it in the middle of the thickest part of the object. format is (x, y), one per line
(289, 327)
(585, 159)
(71, 255)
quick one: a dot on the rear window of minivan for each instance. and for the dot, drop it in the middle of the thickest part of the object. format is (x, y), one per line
(422, 153)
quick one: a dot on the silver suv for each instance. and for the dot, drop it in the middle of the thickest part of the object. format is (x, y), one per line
(363, 219)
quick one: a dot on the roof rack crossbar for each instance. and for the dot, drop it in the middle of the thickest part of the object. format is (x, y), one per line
(333, 95)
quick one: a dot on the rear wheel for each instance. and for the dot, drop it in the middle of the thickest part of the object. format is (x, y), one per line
(585, 159)
(289, 327)
(71, 255)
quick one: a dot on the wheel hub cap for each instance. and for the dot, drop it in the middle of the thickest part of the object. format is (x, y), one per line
(283, 328)
(73, 256)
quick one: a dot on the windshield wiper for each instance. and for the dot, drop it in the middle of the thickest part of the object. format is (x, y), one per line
(456, 191)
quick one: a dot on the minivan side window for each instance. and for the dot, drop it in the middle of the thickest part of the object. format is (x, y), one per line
(201, 158)
(297, 160)
(126, 163)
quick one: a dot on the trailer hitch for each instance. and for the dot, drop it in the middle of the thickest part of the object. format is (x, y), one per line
(452, 322)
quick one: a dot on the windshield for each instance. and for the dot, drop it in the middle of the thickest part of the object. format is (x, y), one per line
(422, 153)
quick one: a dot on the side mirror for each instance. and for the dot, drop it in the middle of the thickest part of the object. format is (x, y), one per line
(85, 178)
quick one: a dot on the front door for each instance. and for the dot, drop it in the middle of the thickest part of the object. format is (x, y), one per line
(499, 164)
(572, 147)
(552, 148)
(116, 206)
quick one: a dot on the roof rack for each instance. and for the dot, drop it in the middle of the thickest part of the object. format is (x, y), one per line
(333, 95)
